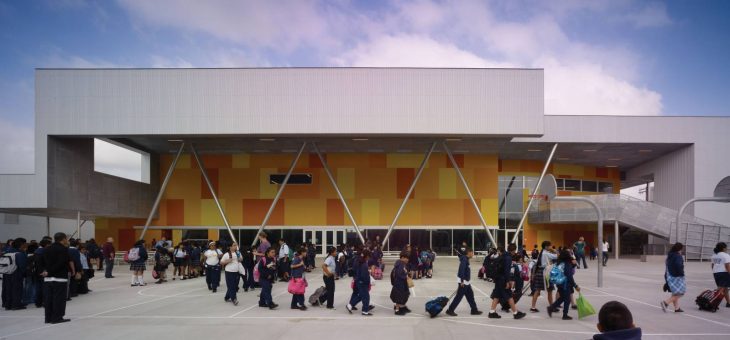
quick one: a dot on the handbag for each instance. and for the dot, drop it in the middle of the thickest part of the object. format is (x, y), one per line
(241, 269)
(297, 285)
(409, 281)
(584, 307)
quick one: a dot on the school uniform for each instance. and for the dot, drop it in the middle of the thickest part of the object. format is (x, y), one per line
(232, 275)
(73, 284)
(329, 281)
(212, 268)
(500, 290)
(13, 283)
(56, 263)
(623, 334)
(361, 286)
(399, 294)
(267, 272)
(248, 263)
(297, 300)
(37, 279)
(566, 289)
(675, 274)
(464, 277)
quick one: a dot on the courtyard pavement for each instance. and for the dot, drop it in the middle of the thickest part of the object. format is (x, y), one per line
(187, 310)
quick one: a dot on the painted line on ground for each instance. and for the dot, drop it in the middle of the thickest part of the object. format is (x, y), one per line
(256, 305)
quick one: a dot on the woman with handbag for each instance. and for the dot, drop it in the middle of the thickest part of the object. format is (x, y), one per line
(674, 278)
(401, 283)
(231, 261)
(298, 284)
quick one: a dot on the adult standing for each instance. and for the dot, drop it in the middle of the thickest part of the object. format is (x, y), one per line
(232, 262)
(56, 264)
(329, 270)
(721, 270)
(675, 277)
(109, 253)
(138, 266)
(264, 245)
(399, 294)
(580, 252)
(604, 251)
(212, 267)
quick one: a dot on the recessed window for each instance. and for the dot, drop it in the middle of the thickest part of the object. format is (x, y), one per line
(120, 160)
(560, 183)
(605, 187)
(589, 186)
(293, 179)
(572, 185)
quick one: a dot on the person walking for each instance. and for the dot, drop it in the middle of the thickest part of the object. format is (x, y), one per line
(231, 261)
(298, 283)
(212, 267)
(267, 272)
(604, 251)
(138, 266)
(248, 263)
(56, 266)
(580, 252)
(361, 285)
(162, 262)
(502, 289)
(721, 270)
(674, 277)
(537, 278)
(400, 293)
(464, 289)
(565, 288)
(109, 253)
(180, 255)
(330, 268)
(284, 264)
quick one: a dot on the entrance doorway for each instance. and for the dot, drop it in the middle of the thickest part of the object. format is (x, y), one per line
(323, 238)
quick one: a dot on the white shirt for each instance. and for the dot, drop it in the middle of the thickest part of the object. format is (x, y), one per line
(718, 262)
(179, 253)
(84, 261)
(211, 257)
(547, 258)
(231, 267)
(331, 264)
(605, 246)
(283, 251)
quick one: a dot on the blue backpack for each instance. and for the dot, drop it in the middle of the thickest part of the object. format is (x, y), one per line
(435, 306)
(557, 274)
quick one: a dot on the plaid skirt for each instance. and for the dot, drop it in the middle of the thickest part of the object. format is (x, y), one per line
(137, 267)
(676, 285)
(538, 279)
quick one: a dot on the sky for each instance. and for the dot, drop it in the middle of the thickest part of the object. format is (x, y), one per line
(619, 57)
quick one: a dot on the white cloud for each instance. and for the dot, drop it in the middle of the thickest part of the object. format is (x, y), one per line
(16, 148)
(654, 14)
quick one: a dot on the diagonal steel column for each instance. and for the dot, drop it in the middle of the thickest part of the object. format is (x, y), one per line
(534, 192)
(339, 194)
(410, 190)
(212, 191)
(162, 190)
(468, 192)
(281, 189)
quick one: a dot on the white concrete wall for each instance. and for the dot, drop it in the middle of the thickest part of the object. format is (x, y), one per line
(34, 228)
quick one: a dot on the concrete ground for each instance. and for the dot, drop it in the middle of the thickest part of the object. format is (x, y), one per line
(187, 310)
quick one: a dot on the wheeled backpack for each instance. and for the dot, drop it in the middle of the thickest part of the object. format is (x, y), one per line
(710, 300)
(318, 297)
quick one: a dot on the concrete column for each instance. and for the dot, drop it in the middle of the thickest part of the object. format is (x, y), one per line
(616, 245)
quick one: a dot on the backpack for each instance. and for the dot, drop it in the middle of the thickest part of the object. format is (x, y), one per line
(32, 266)
(318, 297)
(7, 264)
(132, 255)
(495, 267)
(435, 306)
(257, 271)
(557, 274)
(164, 261)
(525, 272)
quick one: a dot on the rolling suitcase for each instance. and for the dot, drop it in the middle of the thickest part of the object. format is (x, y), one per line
(710, 300)
(435, 306)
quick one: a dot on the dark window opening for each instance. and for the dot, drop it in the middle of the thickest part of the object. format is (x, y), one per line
(590, 186)
(606, 187)
(572, 185)
(293, 179)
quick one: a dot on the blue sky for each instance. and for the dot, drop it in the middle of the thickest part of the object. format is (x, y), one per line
(617, 57)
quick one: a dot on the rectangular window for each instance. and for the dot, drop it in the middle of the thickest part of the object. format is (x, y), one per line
(572, 185)
(293, 179)
(560, 183)
(605, 187)
(590, 186)
(120, 160)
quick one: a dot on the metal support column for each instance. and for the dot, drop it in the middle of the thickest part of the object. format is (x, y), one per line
(339, 193)
(410, 190)
(278, 193)
(48, 226)
(600, 229)
(212, 191)
(534, 192)
(468, 193)
(616, 240)
(78, 224)
(162, 190)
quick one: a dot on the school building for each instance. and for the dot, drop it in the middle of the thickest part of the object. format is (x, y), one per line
(329, 154)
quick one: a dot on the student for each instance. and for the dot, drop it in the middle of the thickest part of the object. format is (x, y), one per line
(73, 284)
(341, 262)
(501, 285)
(12, 292)
(38, 255)
(162, 262)
(231, 261)
(329, 269)
(212, 267)
(248, 263)
(399, 293)
(615, 322)
(580, 252)
(566, 288)
(195, 253)
(56, 266)
(721, 270)
(675, 278)
(87, 271)
(535, 252)
(138, 266)
(605, 253)
(464, 288)
(284, 261)
(361, 285)
(297, 277)
(180, 255)
(537, 279)
(267, 270)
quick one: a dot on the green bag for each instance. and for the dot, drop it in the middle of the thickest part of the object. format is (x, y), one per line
(584, 307)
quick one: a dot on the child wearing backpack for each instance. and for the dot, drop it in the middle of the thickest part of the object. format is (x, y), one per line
(464, 289)
(562, 277)
(162, 262)
(138, 257)
(297, 284)
(399, 279)
(267, 275)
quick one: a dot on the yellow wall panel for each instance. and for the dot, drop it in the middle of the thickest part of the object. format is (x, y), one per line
(241, 160)
(176, 237)
(442, 212)
(192, 212)
(561, 169)
(404, 160)
(348, 160)
(238, 183)
(428, 185)
(447, 183)
(485, 183)
(375, 183)
(209, 214)
(276, 160)
(370, 213)
(184, 183)
(481, 161)
(234, 211)
(490, 210)
(345, 178)
(266, 189)
(305, 212)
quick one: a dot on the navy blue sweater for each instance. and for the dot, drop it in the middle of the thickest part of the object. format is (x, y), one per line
(675, 264)
(361, 272)
(464, 273)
